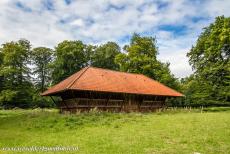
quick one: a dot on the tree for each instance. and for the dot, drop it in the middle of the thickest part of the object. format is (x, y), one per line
(104, 56)
(70, 56)
(41, 59)
(1, 57)
(15, 72)
(141, 57)
(210, 59)
(1, 67)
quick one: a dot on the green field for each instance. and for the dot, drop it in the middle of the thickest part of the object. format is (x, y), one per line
(177, 131)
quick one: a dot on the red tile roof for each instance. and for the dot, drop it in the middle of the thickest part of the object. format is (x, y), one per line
(104, 80)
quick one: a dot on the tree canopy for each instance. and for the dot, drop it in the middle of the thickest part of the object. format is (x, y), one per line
(69, 57)
(210, 59)
(141, 57)
(15, 73)
(104, 56)
(41, 59)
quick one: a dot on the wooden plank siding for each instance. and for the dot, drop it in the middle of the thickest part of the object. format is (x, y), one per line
(132, 104)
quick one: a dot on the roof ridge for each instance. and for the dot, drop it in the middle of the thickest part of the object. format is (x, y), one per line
(115, 71)
(86, 68)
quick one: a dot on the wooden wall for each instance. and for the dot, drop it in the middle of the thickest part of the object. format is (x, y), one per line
(86, 101)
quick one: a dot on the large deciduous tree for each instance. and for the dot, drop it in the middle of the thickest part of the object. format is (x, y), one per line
(210, 59)
(41, 59)
(104, 56)
(141, 57)
(16, 90)
(70, 57)
(1, 67)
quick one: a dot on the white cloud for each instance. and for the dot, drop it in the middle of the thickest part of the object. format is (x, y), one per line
(77, 22)
(96, 21)
(217, 7)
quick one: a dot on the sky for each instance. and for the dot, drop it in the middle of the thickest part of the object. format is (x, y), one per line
(176, 24)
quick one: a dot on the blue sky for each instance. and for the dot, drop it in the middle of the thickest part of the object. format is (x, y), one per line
(175, 23)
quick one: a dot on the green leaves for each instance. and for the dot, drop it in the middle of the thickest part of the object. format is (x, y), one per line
(104, 56)
(141, 57)
(8, 95)
(41, 59)
(15, 73)
(210, 58)
(70, 57)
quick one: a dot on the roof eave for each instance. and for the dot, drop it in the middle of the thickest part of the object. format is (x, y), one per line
(57, 92)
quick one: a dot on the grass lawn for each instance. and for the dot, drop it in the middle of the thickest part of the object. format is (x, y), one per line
(178, 131)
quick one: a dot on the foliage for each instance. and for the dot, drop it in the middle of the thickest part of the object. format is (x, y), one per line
(1, 67)
(7, 96)
(15, 61)
(41, 59)
(104, 56)
(70, 57)
(42, 102)
(141, 57)
(15, 73)
(210, 59)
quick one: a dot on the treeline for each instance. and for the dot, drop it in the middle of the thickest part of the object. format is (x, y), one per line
(25, 72)
(210, 60)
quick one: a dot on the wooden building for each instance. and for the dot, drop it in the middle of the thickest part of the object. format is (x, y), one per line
(110, 91)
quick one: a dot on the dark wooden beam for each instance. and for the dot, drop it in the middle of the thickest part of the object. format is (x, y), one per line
(53, 100)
